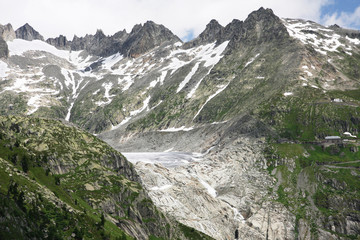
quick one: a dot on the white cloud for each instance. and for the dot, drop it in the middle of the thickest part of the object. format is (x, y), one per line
(69, 17)
(343, 19)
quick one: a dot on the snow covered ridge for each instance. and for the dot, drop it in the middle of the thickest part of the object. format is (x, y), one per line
(124, 73)
(323, 39)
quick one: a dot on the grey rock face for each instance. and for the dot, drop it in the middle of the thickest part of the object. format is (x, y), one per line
(260, 26)
(28, 33)
(7, 32)
(264, 26)
(4, 50)
(59, 42)
(141, 39)
(146, 37)
(213, 32)
(99, 44)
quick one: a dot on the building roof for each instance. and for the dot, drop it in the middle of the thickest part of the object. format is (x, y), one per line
(332, 137)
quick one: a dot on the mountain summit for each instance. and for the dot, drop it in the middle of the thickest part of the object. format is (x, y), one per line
(28, 33)
(145, 37)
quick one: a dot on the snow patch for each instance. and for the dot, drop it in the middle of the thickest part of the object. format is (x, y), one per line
(251, 60)
(308, 73)
(20, 46)
(111, 61)
(288, 94)
(109, 97)
(325, 41)
(67, 118)
(212, 192)
(349, 134)
(192, 92)
(3, 69)
(188, 77)
(173, 129)
(126, 81)
(222, 88)
(353, 40)
(133, 113)
(162, 188)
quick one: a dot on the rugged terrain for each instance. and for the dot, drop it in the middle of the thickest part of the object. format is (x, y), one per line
(58, 181)
(255, 99)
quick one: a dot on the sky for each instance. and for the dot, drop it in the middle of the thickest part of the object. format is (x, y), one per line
(185, 18)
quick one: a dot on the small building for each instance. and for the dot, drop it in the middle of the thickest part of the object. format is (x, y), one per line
(333, 139)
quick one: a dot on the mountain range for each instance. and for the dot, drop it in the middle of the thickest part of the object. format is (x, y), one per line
(254, 100)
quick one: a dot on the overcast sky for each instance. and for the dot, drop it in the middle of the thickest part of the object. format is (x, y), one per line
(185, 18)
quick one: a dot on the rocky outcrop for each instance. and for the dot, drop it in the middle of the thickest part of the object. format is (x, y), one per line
(28, 33)
(212, 33)
(145, 37)
(225, 192)
(59, 42)
(4, 50)
(99, 44)
(7, 32)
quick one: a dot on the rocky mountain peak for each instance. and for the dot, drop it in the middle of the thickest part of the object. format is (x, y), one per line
(28, 33)
(60, 42)
(99, 34)
(212, 33)
(263, 26)
(7, 32)
(120, 35)
(262, 14)
(145, 37)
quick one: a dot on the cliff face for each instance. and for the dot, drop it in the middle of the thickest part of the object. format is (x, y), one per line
(28, 33)
(47, 165)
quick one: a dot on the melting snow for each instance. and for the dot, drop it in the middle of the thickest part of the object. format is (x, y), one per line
(111, 60)
(288, 94)
(210, 189)
(321, 44)
(192, 92)
(67, 118)
(238, 216)
(3, 69)
(313, 86)
(209, 54)
(251, 60)
(349, 134)
(222, 88)
(107, 87)
(158, 80)
(162, 188)
(34, 102)
(126, 82)
(133, 113)
(188, 77)
(145, 106)
(173, 129)
(19, 47)
(353, 40)
(308, 73)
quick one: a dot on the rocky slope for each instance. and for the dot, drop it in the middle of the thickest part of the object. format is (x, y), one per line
(58, 173)
(273, 84)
